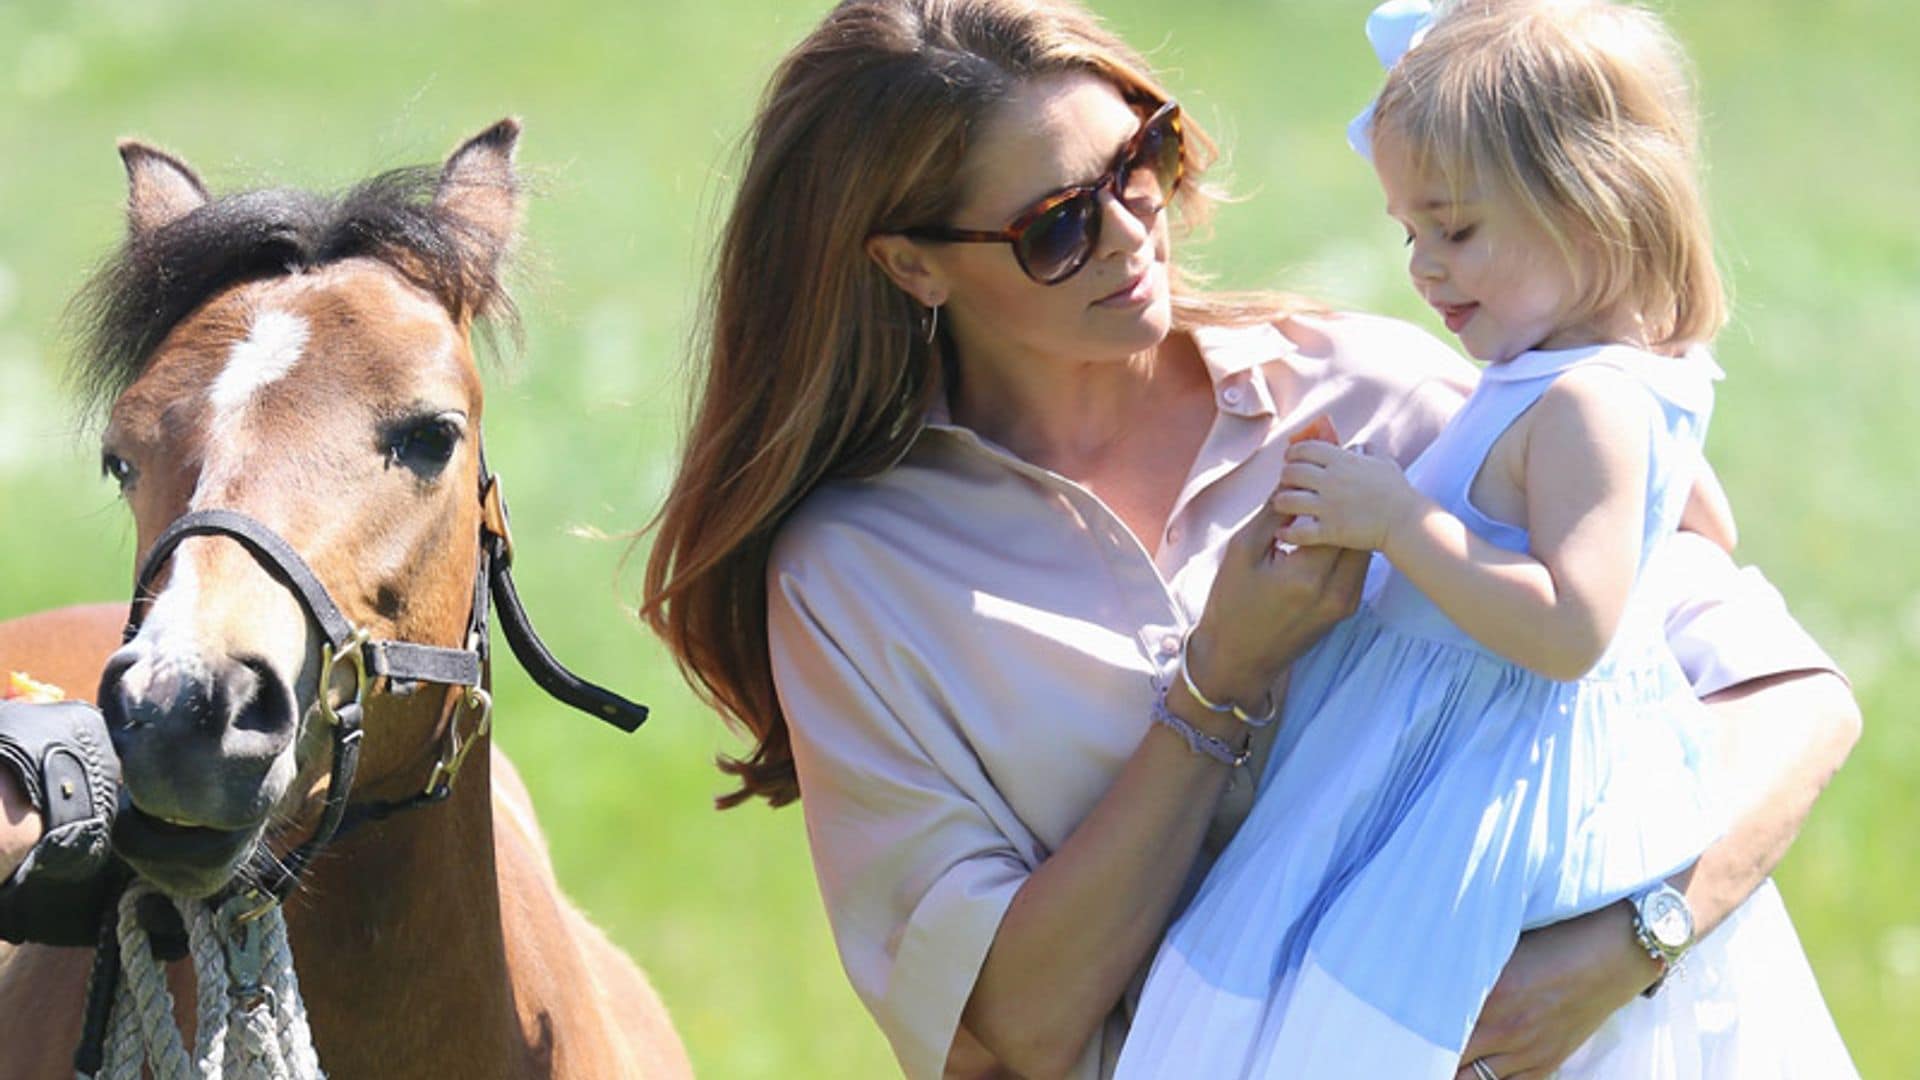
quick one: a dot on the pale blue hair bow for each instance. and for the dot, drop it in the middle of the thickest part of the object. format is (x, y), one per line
(1394, 27)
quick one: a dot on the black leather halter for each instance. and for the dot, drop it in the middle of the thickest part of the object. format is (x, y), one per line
(399, 662)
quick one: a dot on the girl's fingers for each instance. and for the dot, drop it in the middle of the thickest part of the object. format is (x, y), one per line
(1303, 475)
(1303, 531)
(1294, 502)
(1316, 453)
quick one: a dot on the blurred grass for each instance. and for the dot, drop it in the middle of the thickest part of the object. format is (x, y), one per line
(633, 113)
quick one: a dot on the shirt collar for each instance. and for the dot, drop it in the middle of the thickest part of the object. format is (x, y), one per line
(1233, 356)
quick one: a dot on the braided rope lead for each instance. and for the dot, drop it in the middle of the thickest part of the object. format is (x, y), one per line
(295, 1036)
(210, 1000)
(244, 1033)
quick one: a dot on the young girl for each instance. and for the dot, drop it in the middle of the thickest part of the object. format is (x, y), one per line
(1498, 739)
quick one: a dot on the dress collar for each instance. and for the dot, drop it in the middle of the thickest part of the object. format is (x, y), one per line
(1686, 380)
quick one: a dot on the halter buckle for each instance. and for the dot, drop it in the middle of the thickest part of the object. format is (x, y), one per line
(479, 704)
(493, 518)
(354, 652)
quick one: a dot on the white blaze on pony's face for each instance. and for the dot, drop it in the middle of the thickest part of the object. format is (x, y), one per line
(272, 346)
(337, 404)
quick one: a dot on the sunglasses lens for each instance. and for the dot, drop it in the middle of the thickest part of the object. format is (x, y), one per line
(1058, 241)
(1159, 155)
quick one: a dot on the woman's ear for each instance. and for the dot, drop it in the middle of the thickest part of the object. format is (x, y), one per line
(907, 264)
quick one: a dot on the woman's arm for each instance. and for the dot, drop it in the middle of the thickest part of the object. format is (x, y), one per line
(1788, 734)
(1708, 513)
(1553, 609)
(975, 941)
(1086, 919)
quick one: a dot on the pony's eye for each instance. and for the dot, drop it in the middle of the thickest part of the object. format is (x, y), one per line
(425, 444)
(116, 468)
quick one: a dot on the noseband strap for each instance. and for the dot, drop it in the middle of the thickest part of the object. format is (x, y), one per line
(396, 661)
(399, 660)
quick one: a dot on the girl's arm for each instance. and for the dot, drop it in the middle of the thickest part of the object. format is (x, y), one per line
(1553, 610)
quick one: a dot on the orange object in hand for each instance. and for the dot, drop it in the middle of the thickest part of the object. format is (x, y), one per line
(21, 687)
(1320, 430)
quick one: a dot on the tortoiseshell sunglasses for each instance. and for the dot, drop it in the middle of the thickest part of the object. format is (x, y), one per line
(1054, 238)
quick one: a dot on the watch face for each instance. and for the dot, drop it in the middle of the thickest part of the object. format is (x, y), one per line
(1668, 921)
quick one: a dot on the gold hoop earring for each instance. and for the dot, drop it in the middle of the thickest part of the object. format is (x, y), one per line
(933, 322)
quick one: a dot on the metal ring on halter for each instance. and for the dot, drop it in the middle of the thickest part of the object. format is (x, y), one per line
(1483, 1070)
(353, 651)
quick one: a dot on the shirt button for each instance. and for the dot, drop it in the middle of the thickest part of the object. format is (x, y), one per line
(1169, 645)
(1232, 395)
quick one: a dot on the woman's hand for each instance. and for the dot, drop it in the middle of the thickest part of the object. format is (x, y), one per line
(58, 811)
(1791, 731)
(1268, 605)
(20, 823)
(1347, 498)
(1560, 985)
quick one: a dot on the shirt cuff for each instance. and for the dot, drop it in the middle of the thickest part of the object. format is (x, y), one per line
(939, 960)
(1730, 625)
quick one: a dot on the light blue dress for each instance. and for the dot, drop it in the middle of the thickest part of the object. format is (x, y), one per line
(1427, 799)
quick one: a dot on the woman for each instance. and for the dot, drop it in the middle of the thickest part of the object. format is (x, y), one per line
(975, 474)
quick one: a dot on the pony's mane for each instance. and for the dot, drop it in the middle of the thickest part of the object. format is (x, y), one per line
(159, 277)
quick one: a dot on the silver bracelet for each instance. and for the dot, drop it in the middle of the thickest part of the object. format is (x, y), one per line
(1199, 741)
(1222, 709)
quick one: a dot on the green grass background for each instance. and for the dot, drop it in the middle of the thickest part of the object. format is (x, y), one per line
(633, 113)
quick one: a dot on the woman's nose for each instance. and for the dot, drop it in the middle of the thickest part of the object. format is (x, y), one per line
(1128, 222)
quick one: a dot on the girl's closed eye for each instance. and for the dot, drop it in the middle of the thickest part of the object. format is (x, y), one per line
(1460, 235)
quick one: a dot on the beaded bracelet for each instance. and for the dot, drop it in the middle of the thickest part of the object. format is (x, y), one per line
(1222, 709)
(1199, 741)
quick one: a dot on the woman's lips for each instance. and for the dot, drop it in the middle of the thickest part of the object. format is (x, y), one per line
(1456, 315)
(1137, 290)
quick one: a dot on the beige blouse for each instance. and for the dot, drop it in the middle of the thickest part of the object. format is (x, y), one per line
(964, 647)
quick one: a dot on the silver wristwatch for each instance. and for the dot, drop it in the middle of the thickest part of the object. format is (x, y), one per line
(1663, 925)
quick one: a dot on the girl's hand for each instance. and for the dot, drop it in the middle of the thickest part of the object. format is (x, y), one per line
(1561, 983)
(1268, 606)
(1344, 498)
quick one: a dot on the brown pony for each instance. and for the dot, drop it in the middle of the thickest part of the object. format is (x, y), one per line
(306, 361)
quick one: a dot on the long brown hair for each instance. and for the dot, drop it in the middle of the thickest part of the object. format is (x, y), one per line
(816, 365)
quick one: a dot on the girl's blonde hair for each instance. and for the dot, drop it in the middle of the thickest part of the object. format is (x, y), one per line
(1582, 113)
(817, 367)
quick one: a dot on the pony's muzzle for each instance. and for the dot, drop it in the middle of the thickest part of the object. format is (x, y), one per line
(200, 743)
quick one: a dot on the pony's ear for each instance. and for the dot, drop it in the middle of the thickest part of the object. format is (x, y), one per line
(478, 185)
(161, 189)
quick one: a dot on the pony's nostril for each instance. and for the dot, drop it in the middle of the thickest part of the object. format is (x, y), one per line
(112, 694)
(263, 701)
